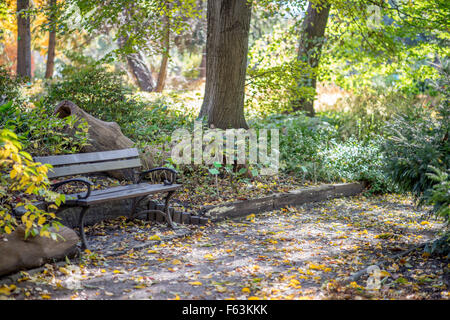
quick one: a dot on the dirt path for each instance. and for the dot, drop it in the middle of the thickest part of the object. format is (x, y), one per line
(294, 253)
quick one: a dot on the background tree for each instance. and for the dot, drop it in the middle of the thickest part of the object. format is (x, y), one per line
(23, 39)
(50, 67)
(135, 61)
(162, 75)
(311, 41)
(226, 62)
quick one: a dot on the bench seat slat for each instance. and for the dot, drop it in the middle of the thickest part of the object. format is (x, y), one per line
(93, 167)
(123, 192)
(80, 158)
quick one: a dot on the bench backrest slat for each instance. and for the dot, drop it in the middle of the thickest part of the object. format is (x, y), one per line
(81, 163)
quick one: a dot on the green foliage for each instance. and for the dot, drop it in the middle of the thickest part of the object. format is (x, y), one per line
(385, 45)
(21, 180)
(364, 115)
(440, 193)
(353, 160)
(301, 138)
(104, 95)
(313, 149)
(413, 145)
(42, 133)
(38, 130)
(9, 88)
(273, 72)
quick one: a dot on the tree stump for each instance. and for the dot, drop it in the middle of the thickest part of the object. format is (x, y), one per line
(103, 136)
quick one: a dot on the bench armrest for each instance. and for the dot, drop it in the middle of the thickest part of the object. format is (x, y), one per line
(166, 182)
(84, 181)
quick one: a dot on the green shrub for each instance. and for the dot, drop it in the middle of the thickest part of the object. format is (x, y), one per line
(313, 149)
(40, 132)
(364, 116)
(418, 152)
(415, 144)
(9, 88)
(22, 180)
(301, 138)
(103, 94)
(354, 160)
(439, 195)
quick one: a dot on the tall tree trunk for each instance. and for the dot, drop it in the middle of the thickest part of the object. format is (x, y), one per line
(162, 76)
(226, 63)
(201, 25)
(51, 42)
(135, 61)
(138, 69)
(24, 40)
(310, 48)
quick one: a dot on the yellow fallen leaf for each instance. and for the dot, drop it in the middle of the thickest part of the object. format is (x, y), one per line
(140, 286)
(155, 237)
(5, 290)
(64, 270)
(46, 296)
(245, 290)
(176, 261)
(384, 273)
(295, 284)
(195, 283)
(253, 298)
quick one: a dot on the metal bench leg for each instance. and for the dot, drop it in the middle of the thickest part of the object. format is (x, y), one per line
(84, 244)
(134, 207)
(166, 209)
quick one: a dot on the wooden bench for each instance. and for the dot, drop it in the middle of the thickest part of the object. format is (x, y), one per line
(97, 162)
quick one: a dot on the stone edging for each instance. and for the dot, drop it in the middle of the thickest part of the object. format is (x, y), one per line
(277, 201)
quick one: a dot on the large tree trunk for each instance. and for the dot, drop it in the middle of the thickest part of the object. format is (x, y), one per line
(24, 40)
(51, 42)
(138, 69)
(162, 76)
(227, 48)
(135, 61)
(310, 48)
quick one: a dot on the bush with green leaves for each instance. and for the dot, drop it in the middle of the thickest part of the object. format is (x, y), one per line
(364, 115)
(354, 160)
(439, 195)
(42, 133)
(313, 149)
(413, 145)
(103, 94)
(9, 88)
(418, 158)
(301, 139)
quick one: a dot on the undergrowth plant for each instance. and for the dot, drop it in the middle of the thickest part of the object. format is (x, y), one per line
(21, 182)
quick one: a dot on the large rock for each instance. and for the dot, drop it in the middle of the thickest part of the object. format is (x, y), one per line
(18, 254)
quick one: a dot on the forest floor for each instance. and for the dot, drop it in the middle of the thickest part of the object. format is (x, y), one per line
(306, 252)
